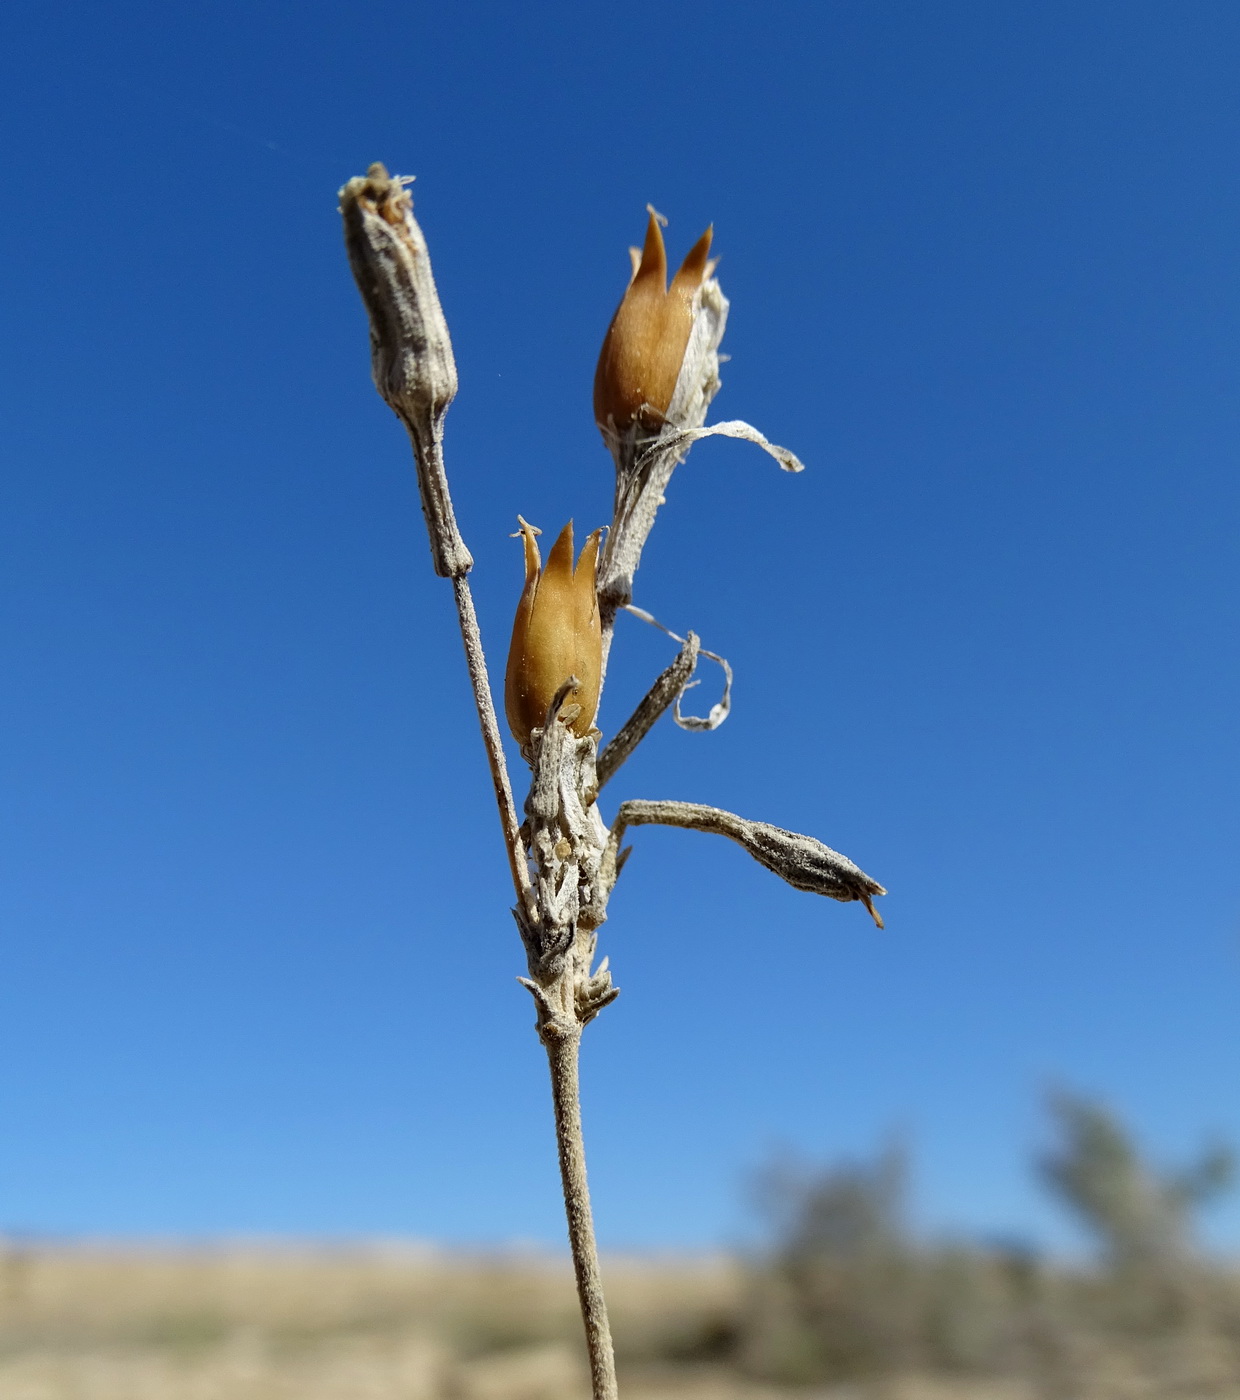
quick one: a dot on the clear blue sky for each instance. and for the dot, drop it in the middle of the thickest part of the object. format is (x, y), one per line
(983, 261)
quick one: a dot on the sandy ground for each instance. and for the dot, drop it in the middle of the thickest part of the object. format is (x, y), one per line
(395, 1323)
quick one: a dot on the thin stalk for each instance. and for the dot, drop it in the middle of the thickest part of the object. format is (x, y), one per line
(415, 372)
(563, 1047)
(476, 662)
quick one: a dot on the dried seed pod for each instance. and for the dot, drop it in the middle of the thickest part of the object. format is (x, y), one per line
(803, 861)
(556, 634)
(648, 336)
(410, 350)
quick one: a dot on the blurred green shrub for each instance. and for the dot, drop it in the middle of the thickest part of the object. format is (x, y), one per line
(846, 1289)
(1140, 1218)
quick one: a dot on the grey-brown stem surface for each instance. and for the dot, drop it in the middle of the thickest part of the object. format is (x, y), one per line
(567, 840)
(471, 636)
(563, 1050)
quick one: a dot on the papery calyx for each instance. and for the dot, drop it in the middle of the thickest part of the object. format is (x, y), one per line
(556, 635)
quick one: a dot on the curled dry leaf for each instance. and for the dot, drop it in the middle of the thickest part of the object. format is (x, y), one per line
(667, 689)
(722, 707)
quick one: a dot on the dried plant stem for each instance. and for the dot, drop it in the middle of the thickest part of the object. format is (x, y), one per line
(563, 1044)
(415, 372)
(560, 1035)
(476, 662)
(563, 860)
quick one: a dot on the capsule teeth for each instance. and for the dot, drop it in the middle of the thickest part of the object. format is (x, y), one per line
(696, 265)
(588, 559)
(560, 560)
(533, 559)
(644, 348)
(653, 265)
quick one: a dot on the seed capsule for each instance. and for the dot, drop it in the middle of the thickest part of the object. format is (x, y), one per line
(556, 634)
(646, 341)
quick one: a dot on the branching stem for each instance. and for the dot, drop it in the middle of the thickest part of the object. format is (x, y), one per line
(575, 858)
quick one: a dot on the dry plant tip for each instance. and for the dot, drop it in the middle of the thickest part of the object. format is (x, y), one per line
(411, 356)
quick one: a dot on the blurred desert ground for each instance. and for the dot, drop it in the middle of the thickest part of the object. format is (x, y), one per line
(843, 1301)
(247, 1322)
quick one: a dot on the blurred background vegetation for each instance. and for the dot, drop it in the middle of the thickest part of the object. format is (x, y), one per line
(847, 1291)
(842, 1299)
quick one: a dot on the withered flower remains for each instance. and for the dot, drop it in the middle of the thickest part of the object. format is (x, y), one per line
(646, 341)
(556, 634)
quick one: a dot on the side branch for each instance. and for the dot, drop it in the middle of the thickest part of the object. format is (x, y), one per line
(471, 636)
(414, 370)
(669, 685)
(804, 862)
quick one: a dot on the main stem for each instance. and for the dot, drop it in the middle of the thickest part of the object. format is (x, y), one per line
(563, 1041)
(563, 1046)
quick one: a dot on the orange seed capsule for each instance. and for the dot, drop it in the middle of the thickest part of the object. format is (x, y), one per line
(557, 634)
(646, 341)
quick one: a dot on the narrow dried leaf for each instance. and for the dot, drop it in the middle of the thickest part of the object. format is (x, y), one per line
(803, 861)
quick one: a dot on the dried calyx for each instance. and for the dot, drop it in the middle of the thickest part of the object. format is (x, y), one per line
(646, 342)
(657, 374)
(556, 636)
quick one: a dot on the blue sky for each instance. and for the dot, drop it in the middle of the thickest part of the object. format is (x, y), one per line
(983, 269)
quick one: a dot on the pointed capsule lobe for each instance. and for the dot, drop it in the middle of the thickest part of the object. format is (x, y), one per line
(646, 341)
(557, 633)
